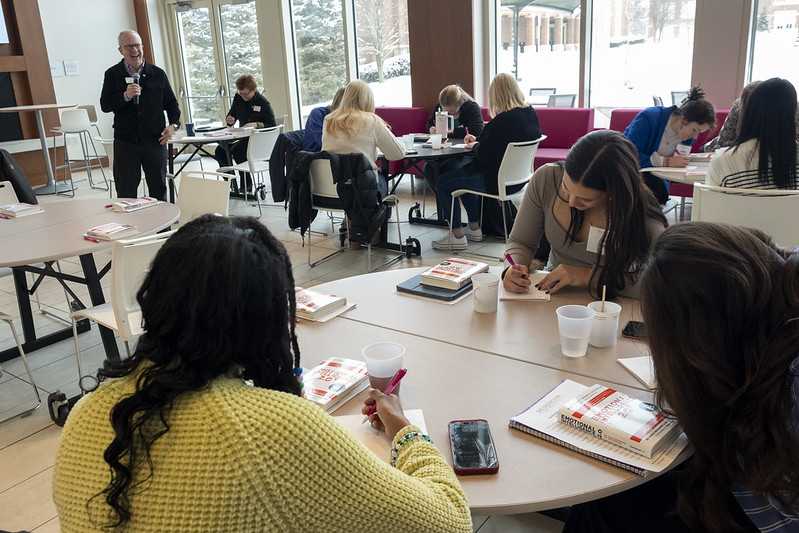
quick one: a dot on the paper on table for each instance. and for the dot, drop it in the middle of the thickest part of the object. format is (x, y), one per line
(378, 441)
(531, 294)
(640, 367)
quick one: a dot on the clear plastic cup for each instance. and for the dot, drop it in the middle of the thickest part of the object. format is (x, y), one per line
(605, 329)
(435, 141)
(574, 326)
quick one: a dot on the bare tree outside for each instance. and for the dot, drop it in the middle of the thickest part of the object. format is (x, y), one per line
(380, 31)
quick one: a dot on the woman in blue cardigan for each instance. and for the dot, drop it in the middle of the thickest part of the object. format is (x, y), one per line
(657, 131)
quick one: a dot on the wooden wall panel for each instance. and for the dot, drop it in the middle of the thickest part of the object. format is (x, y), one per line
(442, 48)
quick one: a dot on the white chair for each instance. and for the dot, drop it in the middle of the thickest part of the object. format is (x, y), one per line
(540, 95)
(516, 169)
(561, 100)
(324, 197)
(259, 150)
(197, 195)
(92, 112)
(130, 261)
(76, 122)
(8, 320)
(677, 97)
(772, 210)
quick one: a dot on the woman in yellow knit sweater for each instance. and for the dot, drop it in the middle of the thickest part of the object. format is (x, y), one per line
(177, 441)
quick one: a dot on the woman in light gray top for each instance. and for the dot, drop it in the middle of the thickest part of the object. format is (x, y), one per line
(595, 210)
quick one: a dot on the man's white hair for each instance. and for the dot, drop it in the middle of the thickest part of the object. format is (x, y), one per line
(125, 32)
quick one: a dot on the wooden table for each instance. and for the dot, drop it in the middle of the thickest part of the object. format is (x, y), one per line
(464, 365)
(50, 187)
(57, 233)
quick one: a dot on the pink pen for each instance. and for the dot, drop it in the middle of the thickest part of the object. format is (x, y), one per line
(392, 384)
(86, 237)
(5, 217)
(512, 263)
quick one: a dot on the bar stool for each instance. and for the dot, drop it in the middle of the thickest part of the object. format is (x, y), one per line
(76, 122)
(7, 319)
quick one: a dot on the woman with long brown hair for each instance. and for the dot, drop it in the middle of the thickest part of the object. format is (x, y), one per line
(722, 308)
(597, 214)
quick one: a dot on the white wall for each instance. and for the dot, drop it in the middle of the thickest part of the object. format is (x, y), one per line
(85, 31)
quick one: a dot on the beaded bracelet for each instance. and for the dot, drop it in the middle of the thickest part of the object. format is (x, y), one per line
(404, 440)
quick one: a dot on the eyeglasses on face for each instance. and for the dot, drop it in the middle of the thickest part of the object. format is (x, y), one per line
(130, 47)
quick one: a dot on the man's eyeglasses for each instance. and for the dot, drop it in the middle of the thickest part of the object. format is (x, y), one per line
(130, 47)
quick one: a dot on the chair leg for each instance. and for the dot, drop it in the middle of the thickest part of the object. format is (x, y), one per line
(27, 370)
(99, 163)
(451, 216)
(77, 352)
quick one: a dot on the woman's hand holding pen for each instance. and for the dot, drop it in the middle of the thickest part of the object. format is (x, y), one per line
(389, 415)
(678, 161)
(469, 139)
(564, 276)
(516, 279)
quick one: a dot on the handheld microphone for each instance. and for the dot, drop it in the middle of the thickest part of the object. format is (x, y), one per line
(136, 81)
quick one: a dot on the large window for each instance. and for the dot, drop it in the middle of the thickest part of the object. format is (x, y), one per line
(320, 51)
(218, 43)
(640, 50)
(383, 51)
(776, 41)
(540, 46)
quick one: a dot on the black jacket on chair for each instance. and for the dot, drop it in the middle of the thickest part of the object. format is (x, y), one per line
(356, 184)
(11, 171)
(281, 162)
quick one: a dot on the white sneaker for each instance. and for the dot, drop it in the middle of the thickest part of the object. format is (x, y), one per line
(446, 244)
(475, 235)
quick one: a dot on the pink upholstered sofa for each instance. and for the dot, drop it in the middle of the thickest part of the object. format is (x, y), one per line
(403, 120)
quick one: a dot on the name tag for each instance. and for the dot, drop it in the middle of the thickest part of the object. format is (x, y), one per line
(594, 236)
(128, 79)
(256, 108)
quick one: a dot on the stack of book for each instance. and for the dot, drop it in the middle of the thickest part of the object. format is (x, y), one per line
(448, 280)
(605, 424)
(125, 206)
(110, 231)
(19, 210)
(313, 305)
(334, 382)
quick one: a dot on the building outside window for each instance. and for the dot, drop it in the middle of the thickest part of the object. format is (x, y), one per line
(775, 51)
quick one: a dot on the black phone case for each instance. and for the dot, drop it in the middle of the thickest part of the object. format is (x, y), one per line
(467, 471)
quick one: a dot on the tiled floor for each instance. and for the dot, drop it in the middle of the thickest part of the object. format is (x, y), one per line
(28, 445)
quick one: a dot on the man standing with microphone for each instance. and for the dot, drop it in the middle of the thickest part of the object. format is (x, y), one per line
(138, 93)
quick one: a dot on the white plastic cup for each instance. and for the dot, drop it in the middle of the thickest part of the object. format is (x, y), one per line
(407, 140)
(383, 360)
(574, 325)
(435, 141)
(485, 287)
(605, 330)
(683, 150)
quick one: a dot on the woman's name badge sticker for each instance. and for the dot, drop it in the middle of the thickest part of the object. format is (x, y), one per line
(594, 236)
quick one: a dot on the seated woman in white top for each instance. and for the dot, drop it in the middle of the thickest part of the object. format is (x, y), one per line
(765, 154)
(354, 127)
(597, 214)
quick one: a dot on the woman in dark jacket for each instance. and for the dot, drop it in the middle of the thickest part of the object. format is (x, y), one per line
(513, 121)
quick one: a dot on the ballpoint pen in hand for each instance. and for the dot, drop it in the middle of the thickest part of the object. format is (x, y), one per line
(513, 264)
(392, 384)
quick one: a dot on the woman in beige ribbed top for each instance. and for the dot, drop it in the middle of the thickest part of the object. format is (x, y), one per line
(354, 127)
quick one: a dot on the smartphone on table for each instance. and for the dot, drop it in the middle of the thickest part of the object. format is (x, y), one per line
(634, 330)
(473, 450)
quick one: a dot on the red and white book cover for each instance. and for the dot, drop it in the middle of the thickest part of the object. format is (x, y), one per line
(453, 273)
(620, 419)
(336, 378)
(314, 304)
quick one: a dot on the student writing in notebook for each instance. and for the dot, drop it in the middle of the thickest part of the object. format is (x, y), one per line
(722, 308)
(597, 214)
(174, 439)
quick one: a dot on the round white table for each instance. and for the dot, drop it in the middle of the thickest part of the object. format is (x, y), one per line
(50, 187)
(57, 233)
(464, 365)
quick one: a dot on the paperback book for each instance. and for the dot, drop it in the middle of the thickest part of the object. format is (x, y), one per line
(111, 231)
(125, 206)
(312, 305)
(452, 273)
(620, 419)
(542, 420)
(335, 381)
(20, 210)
